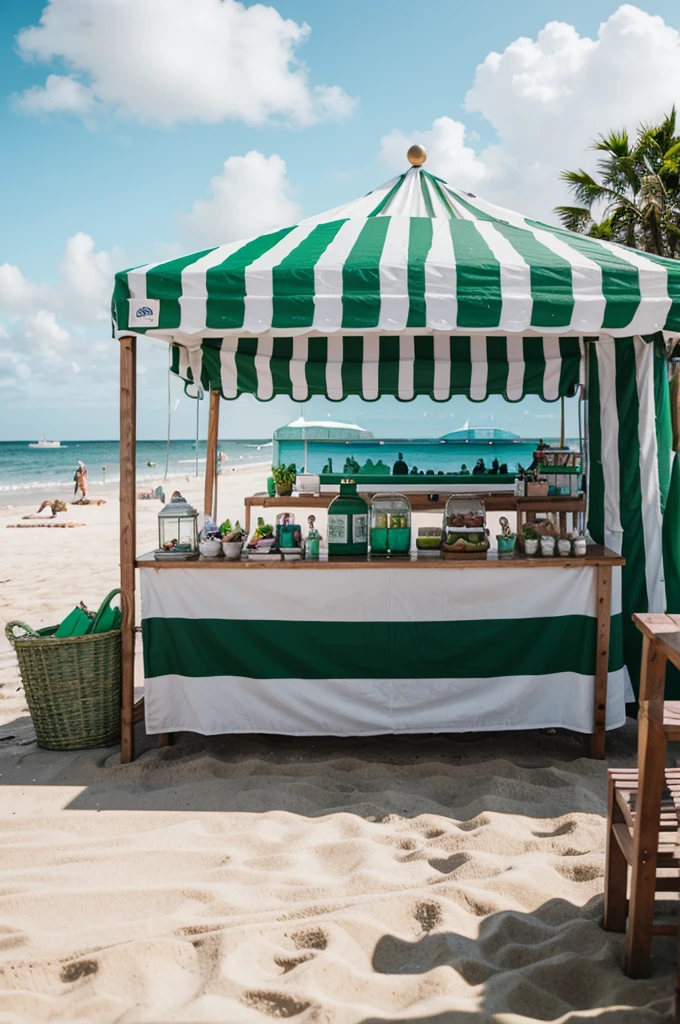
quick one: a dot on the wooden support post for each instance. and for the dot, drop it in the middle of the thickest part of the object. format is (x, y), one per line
(209, 499)
(128, 535)
(603, 607)
(651, 767)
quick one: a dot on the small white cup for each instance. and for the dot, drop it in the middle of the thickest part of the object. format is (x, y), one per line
(547, 545)
(210, 547)
(564, 547)
(232, 549)
(531, 545)
(580, 546)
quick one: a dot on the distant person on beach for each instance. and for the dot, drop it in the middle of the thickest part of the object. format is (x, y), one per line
(400, 468)
(80, 479)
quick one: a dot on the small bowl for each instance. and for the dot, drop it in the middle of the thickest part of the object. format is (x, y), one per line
(210, 547)
(232, 549)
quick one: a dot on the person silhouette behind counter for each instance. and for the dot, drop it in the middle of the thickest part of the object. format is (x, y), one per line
(400, 468)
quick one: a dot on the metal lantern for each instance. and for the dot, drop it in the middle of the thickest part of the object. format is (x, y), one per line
(177, 530)
(390, 524)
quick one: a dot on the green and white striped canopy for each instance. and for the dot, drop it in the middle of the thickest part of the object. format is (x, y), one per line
(416, 256)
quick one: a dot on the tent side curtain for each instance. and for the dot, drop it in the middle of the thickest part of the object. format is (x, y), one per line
(372, 366)
(625, 497)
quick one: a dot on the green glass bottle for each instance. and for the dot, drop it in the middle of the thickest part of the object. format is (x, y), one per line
(347, 522)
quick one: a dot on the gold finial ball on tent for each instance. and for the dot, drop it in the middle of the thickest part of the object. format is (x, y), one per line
(417, 155)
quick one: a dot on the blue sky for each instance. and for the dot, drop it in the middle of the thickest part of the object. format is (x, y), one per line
(109, 161)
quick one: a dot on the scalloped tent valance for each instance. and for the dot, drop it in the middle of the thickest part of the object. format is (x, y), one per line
(372, 366)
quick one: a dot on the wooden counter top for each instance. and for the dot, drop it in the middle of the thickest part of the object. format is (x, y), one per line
(596, 555)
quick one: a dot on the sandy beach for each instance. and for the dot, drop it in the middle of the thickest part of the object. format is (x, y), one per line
(431, 879)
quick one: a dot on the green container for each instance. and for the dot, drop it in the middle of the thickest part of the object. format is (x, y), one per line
(347, 523)
(379, 540)
(399, 539)
(506, 545)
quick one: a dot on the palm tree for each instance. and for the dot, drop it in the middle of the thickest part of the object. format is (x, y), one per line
(638, 191)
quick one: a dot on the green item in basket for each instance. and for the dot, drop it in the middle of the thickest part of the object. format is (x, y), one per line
(110, 618)
(77, 623)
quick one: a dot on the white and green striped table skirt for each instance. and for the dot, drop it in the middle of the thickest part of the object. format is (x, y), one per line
(350, 652)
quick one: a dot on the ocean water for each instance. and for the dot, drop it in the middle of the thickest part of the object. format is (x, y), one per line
(35, 469)
(447, 456)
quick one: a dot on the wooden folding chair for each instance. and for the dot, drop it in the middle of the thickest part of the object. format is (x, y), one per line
(643, 805)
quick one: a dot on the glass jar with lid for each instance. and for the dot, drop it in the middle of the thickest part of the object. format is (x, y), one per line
(390, 524)
(464, 533)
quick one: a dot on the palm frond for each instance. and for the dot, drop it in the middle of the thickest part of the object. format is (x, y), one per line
(616, 143)
(575, 218)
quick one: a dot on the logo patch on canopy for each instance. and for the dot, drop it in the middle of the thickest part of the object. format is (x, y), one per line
(144, 312)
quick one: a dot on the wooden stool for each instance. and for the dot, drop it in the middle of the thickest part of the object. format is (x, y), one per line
(643, 804)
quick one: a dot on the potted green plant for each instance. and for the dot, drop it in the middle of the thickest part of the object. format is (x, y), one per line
(284, 478)
(530, 540)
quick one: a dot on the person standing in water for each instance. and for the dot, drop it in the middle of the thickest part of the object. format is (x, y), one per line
(80, 479)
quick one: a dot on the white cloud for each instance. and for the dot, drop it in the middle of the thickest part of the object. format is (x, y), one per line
(50, 333)
(249, 197)
(86, 278)
(546, 99)
(43, 331)
(17, 293)
(61, 93)
(176, 60)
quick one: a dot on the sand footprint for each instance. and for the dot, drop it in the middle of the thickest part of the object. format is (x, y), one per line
(580, 872)
(78, 969)
(274, 1004)
(310, 938)
(428, 915)
(289, 963)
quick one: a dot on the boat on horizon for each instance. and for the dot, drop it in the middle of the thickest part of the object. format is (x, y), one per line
(42, 443)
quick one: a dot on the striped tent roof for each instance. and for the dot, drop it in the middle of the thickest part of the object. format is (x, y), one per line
(415, 255)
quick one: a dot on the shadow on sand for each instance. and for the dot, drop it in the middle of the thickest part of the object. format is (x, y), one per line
(249, 769)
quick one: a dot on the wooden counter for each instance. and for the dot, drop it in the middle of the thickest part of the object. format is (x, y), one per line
(596, 556)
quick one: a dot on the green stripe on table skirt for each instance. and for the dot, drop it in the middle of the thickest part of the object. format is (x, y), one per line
(375, 650)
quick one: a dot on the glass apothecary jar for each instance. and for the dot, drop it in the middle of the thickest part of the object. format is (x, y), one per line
(390, 524)
(464, 532)
(177, 530)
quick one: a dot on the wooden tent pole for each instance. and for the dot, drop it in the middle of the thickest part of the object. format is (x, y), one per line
(209, 499)
(128, 535)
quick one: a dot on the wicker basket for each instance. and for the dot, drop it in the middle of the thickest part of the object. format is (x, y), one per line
(72, 684)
